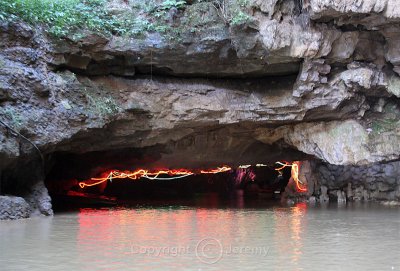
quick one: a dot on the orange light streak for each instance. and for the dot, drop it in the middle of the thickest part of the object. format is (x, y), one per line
(143, 173)
(295, 173)
(215, 171)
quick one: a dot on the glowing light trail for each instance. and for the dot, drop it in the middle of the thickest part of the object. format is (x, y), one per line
(143, 173)
(295, 173)
(215, 171)
(182, 173)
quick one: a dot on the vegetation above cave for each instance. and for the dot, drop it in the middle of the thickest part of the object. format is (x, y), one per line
(130, 18)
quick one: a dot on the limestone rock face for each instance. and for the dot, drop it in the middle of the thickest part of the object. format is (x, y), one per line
(340, 143)
(313, 78)
(36, 201)
(387, 9)
(13, 208)
(39, 200)
(371, 182)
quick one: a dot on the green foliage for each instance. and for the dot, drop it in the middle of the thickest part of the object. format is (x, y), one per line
(239, 17)
(243, 3)
(168, 4)
(388, 121)
(233, 12)
(383, 125)
(129, 27)
(64, 17)
(157, 19)
(138, 27)
(61, 16)
(14, 119)
(102, 105)
(106, 105)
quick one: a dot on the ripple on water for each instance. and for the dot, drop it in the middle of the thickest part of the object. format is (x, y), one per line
(354, 237)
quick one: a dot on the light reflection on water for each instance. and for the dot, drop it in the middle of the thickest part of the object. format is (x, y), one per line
(182, 236)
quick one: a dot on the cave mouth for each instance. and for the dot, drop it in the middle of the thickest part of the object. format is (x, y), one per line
(114, 179)
(121, 188)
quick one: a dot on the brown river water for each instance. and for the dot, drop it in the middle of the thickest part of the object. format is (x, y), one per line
(206, 234)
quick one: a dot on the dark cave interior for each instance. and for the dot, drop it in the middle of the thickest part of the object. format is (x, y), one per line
(69, 170)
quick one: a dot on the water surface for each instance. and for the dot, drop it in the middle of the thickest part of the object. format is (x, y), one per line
(206, 235)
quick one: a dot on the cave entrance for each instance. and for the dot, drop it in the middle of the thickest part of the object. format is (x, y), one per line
(116, 178)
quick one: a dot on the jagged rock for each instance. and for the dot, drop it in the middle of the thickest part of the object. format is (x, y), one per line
(344, 47)
(369, 182)
(391, 203)
(366, 195)
(307, 177)
(39, 199)
(370, 12)
(340, 143)
(383, 187)
(358, 193)
(394, 85)
(397, 193)
(12, 207)
(323, 197)
(349, 191)
(341, 196)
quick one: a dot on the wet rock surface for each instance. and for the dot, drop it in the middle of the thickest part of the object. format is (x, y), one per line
(360, 183)
(39, 200)
(35, 201)
(12, 207)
